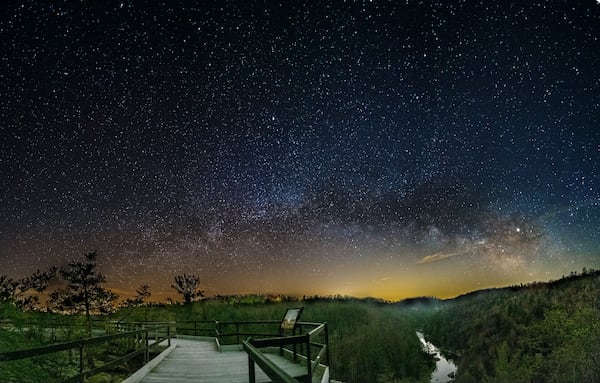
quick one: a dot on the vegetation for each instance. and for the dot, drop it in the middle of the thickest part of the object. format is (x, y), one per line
(543, 332)
(23, 330)
(535, 333)
(24, 291)
(142, 293)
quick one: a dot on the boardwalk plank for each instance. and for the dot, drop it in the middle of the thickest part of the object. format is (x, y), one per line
(201, 362)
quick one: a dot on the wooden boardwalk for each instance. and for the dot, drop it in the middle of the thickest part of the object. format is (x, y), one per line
(199, 361)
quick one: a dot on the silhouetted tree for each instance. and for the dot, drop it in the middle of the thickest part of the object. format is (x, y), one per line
(7, 288)
(84, 292)
(38, 282)
(23, 291)
(142, 293)
(188, 287)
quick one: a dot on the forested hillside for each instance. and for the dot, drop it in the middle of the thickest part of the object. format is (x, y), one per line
(536, 333)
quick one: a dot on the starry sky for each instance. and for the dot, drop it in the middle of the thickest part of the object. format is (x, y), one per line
(366, 148)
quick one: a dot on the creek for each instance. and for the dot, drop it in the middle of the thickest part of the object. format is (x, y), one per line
(444, 368)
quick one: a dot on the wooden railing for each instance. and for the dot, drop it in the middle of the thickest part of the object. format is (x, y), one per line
(197, 327)
(239, 330)
(310, 348)
(307, 342)
(144, 341)
(271, 369)
(262, 334)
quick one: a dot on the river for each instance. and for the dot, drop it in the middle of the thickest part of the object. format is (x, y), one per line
(443, 366)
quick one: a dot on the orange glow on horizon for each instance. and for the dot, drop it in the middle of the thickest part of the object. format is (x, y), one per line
(387, 279)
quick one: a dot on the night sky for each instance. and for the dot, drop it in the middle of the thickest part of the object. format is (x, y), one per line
(368, 148)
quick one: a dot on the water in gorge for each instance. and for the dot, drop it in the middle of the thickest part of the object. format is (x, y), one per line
(444, 368)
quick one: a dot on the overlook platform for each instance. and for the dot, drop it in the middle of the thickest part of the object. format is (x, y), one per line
(199, 360)
(286, 351)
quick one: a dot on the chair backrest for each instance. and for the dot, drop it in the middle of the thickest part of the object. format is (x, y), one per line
(290, 319)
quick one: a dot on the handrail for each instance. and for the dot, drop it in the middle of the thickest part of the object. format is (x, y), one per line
(317, 360)
(206, 328)
(82, 343)
(251, 322)
(229, 329)
(316, 324)
(273, 371)
(317, 330)
(280, 341)
(302, 344)
(39, 351)
(217, 328)
(251, 346)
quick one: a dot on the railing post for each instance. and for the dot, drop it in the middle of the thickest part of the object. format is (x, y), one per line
(195, 328)
(251, 372)
(301, 344)
(81, 377)
(327, 345)
(294, 346)
(155, 337)
(146, 351)
(218, 330)
(237, 331)
(308, 360)
(169, 335)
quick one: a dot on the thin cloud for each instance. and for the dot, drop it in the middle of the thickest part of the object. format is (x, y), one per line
(436, 257)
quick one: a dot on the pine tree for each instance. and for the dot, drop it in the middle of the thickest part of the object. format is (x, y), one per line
(84, 292)
(23, 291)
(142, 293)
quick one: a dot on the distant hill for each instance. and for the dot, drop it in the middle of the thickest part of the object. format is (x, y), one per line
(538, 332)
(418, 301)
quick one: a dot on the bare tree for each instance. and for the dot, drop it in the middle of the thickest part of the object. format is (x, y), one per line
(188, 287)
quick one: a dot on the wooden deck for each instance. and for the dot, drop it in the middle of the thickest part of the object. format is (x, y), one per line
(199, 361)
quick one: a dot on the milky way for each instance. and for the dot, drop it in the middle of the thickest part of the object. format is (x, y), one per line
(360, 147)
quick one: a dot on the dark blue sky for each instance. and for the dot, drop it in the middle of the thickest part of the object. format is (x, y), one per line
(242, 136)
